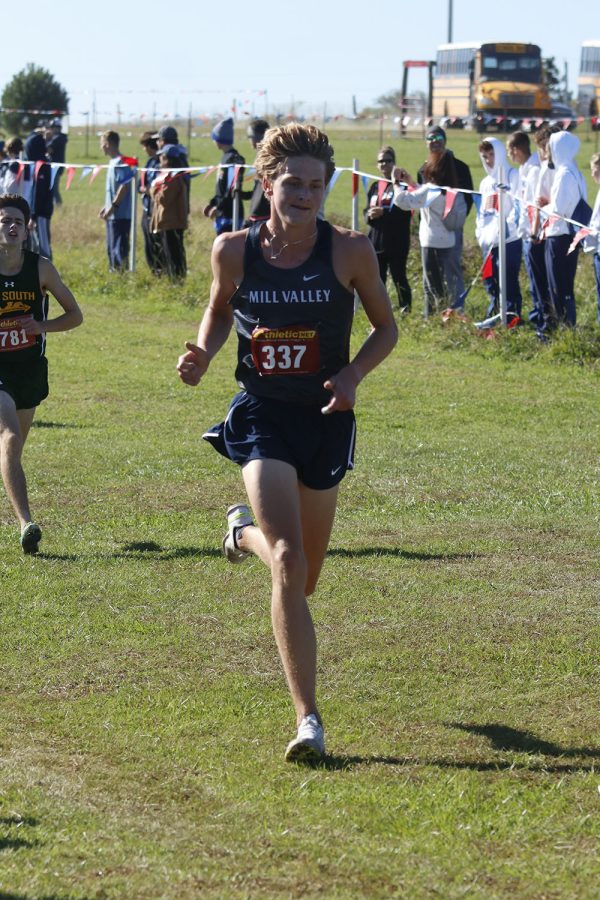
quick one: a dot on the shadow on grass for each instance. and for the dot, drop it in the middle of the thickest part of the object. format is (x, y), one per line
(152, 550)
(16, 843)
(503, 739)
(399, 553)
(339, 763)
(41, 423)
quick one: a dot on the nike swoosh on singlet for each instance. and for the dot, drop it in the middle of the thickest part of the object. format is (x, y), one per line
(335, 471)
(309, 277)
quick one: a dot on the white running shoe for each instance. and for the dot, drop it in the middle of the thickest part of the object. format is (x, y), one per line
(309, 744)
(490, 322)
(238, 516)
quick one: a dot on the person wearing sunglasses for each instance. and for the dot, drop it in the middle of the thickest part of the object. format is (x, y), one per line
(436, 146)
(389, 228)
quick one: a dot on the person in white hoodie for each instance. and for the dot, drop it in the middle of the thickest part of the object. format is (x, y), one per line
(499, 172)
(568, 188)
(437, 241)
(592, 241)
(519, 151)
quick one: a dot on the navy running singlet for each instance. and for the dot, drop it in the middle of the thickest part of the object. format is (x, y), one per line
(21, 295)
(293, 325)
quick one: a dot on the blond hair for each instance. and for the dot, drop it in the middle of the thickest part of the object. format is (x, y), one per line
(285, 141)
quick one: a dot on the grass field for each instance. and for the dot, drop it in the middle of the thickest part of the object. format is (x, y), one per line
(144, 714)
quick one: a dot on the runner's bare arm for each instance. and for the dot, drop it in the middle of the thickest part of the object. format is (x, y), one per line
(50, 281)
(356, 266)
(227, 264)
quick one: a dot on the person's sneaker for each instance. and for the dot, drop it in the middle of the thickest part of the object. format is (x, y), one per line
(31, 537)
(238, 516)
(490, 322)
(309, 744)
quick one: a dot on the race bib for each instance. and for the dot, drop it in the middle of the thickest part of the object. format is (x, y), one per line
(293, 350)
(14, 337)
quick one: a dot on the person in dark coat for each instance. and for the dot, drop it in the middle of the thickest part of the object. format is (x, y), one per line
(389, 228)
(220, 207)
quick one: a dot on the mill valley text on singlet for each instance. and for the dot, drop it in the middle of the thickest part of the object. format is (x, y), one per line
(293, 325)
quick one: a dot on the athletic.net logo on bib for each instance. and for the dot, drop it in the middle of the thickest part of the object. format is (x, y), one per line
(293, 350)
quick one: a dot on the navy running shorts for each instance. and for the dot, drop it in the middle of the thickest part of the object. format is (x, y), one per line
(26, 383)
(320, 448)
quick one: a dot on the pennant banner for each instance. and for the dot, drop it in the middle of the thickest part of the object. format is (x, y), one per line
(450, 198)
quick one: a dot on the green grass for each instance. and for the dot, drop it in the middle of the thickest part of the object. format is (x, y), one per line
(144, 714)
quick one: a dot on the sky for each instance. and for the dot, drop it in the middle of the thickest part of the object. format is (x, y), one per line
(306, 56)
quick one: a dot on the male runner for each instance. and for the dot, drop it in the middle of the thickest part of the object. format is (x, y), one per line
(288, 285)
(25, 279)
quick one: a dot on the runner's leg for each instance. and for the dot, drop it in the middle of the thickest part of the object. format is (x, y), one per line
(14, 427)
(272, 487)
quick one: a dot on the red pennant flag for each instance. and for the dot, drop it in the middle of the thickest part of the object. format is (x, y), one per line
(450, 198)
(69, 178)
(95, 173)
(129, 160)
(38, 166)
(583, 232)
(209, 171)
(549, 222)
(381, 189)
(487, 269)
(20, 171)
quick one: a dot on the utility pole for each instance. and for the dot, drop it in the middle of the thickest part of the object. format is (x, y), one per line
(449, 21)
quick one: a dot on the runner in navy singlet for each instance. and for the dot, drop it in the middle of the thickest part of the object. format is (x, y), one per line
(25, 280)
(288, 286)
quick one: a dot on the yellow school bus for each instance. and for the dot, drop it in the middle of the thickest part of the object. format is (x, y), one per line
(478, 82)
(588, 83)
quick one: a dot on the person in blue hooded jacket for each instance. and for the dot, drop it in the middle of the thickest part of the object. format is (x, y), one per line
(42, 202)
(220, 207)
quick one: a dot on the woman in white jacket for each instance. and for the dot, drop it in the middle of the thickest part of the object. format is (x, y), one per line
(568, 188)
(592, 242)
(436, 240)
(499, 171)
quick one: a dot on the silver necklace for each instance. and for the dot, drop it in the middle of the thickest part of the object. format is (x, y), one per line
(284, 245)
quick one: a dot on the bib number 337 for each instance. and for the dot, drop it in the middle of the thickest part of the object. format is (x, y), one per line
(293, 350)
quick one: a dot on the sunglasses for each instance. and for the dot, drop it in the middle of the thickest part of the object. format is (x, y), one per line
(435, 140)
(381, 162)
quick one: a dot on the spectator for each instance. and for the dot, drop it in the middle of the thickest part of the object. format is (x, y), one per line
(220, 207)
(153, 247)
(519, 151)
(592, 242)
(169, 213)
(260, 208)
(116, 211)
(437, 241)
(56, 142)
(42, 203)
(167, 137)
(16, 178)
(568, 188)
(436, 144)
(389, 229)
(495, 163)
